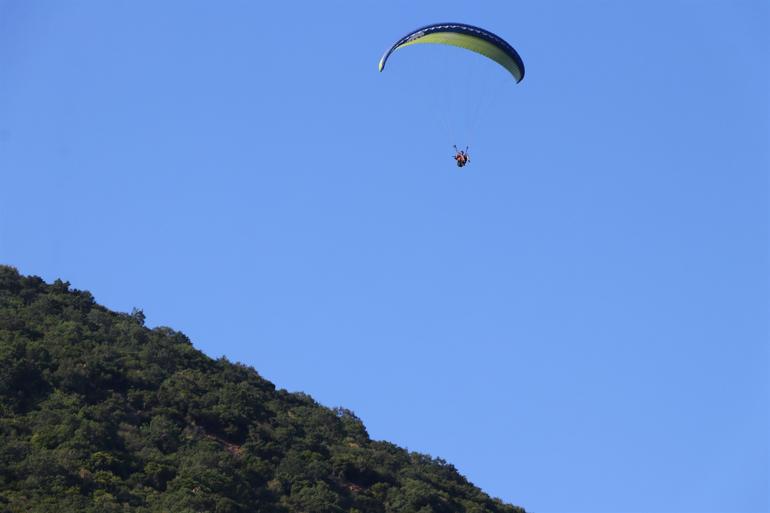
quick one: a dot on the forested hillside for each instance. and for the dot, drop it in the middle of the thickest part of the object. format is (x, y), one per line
(98, 413)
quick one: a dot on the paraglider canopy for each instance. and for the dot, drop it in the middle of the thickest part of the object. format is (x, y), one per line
(465, 36)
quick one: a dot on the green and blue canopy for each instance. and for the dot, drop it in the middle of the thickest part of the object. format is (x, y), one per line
(465, 36)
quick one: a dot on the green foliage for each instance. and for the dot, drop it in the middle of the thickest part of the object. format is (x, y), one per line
(100, 414)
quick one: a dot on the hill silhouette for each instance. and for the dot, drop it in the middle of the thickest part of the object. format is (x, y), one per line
(99, 413)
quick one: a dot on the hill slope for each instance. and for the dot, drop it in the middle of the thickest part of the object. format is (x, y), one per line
(99, 413)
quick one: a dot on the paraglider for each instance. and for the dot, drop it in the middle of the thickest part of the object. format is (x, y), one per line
(461, 156)
(471, 38)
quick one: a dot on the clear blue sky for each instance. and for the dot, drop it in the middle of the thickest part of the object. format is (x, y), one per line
(578, 320)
